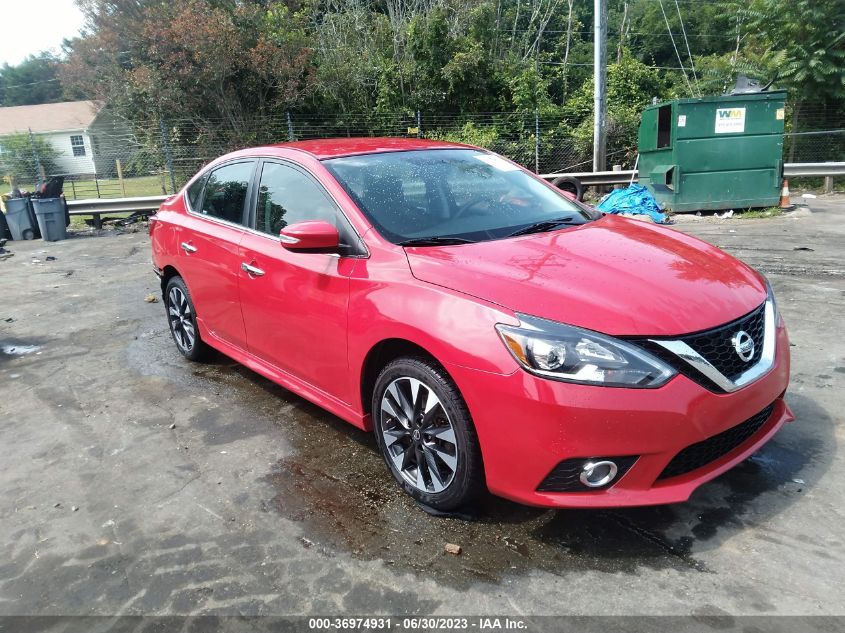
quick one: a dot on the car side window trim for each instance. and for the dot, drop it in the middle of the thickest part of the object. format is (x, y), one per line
(359, 249)
(245, 211)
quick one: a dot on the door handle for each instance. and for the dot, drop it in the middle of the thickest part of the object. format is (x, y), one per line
(188, 248)
(252, 270)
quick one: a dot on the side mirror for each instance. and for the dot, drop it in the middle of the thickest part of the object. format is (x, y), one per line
(316, 236)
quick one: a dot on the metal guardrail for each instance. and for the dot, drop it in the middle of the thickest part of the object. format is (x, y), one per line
(790, 170)
(96, 207)
(91, 206)
(590, 178)
(813, 169)
(99, 206)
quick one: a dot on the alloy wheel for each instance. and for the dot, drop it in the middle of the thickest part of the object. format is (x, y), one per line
(418, 436)
(181, 319)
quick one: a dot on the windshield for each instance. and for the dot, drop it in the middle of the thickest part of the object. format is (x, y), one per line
(456, 195)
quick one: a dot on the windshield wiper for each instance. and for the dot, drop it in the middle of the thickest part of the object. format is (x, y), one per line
(434, 240)
(545, 225)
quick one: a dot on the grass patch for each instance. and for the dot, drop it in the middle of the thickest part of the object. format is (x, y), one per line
(110, 188)
(769, 212)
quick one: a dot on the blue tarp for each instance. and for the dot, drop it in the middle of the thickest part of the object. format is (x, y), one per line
(636, 200)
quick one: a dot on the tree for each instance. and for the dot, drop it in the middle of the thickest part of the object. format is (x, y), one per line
(32, 81)
(806, 41)
(223, 72)
(631, 85)
(808, 37)
(709, 27)
(217, 63)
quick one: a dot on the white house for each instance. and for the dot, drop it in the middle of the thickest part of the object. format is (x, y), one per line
(86, 137)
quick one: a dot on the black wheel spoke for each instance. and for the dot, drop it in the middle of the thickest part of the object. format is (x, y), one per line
(450, 460)
(394, 435)
(408, 458)
(405, 400)
(433, 470)
(431, 416)
(393, 400)
(420, 398)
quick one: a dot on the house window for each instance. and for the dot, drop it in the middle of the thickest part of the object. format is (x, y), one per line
(77, 144)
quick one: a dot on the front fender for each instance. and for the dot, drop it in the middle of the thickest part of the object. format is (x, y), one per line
(456, 329)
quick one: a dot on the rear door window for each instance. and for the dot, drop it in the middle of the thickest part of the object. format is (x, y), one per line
(226, 191)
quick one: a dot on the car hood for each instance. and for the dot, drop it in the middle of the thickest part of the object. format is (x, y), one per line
(614, 275)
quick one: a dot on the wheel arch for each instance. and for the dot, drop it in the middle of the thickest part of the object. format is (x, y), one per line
(168, 273)
(379, 356)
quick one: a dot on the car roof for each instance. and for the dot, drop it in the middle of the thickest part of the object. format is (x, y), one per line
(336, 147)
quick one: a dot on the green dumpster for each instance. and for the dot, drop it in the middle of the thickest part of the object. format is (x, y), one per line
(713, 153)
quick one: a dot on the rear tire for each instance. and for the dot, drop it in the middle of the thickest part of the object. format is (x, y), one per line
(426, 435)
(182, 319)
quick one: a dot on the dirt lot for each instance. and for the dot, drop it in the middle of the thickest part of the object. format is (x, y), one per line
(257, 502)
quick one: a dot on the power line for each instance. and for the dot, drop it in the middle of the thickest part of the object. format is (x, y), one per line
(691, 61)
(661, 34)
(33, 83)
(722, 3)
(672, 37)
(638, 33)
(591, 63)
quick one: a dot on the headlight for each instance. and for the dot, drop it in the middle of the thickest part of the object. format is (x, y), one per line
(770, 298)
(567, 353)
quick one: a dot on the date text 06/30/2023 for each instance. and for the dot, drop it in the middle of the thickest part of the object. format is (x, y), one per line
(418, 623)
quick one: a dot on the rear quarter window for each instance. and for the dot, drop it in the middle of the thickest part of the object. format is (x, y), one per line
(195, 192)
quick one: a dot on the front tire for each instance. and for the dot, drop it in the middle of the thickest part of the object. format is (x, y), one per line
(426, 435)
(182, 319)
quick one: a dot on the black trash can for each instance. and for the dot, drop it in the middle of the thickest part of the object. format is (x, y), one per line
(5, 233)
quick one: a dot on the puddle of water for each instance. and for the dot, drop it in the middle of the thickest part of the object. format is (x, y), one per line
(20, 350)
(336, 485)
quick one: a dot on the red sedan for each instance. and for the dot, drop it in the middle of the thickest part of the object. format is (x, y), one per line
(491, 332)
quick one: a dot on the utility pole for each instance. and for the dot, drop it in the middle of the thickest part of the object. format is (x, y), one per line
(600, 84)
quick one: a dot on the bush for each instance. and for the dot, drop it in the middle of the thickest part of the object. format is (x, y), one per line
(17, 158)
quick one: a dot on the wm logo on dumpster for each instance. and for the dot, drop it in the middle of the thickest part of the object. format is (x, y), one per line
(730, 120)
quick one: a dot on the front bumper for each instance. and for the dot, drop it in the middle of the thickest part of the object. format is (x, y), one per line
(527, 425)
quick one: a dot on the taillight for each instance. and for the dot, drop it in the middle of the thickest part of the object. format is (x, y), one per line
(151, 224)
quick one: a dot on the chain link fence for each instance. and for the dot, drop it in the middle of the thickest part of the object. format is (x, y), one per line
(815, 146)
(118, 158)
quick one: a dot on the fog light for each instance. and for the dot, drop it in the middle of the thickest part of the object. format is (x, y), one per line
(598, 474)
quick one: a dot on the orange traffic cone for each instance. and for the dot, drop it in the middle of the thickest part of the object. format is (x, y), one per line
(784, 195)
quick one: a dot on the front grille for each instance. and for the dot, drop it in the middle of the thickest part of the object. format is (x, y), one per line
(716, 347)
(702, 453)
(565, 476)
